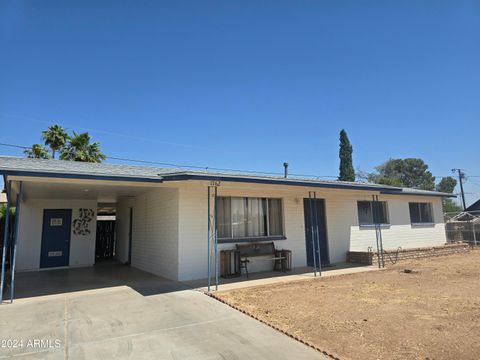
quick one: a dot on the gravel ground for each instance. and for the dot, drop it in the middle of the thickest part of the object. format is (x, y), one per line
(431, 313)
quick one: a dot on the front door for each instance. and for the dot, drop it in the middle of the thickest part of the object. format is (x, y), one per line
(56, 238)
(314, 210)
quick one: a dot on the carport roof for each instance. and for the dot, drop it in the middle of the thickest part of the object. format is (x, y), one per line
(16, 166)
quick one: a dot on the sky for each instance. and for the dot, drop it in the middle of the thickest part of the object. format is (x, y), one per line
(248, 84)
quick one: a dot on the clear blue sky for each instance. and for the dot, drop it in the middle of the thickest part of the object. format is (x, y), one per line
(248, 84)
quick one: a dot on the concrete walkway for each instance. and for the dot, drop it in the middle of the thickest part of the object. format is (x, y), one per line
(147, 318)
(275, 277)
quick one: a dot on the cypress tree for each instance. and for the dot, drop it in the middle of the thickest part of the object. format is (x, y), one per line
(346, 164)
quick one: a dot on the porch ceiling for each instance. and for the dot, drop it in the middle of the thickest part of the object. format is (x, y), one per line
(101, 191)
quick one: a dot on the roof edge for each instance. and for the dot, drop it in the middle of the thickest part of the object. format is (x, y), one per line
(295, 182)
(79, 176)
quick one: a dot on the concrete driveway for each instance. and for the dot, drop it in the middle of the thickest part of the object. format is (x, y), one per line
(123, 313)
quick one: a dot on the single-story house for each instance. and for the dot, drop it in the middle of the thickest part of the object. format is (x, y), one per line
(162, 218)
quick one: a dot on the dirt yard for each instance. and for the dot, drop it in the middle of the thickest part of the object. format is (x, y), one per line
(431, 313)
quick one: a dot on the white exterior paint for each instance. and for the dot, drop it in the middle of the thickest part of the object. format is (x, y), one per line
(169, 232)
(155, 232)
(82, 247)
(343, 231)
(122, 227)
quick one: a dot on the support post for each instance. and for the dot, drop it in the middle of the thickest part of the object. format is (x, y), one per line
(6, 231)
(216, 238)
(208, 239)
(317, 235)
(312, 233)
(375, 222)
(378, 230)
(14, 241)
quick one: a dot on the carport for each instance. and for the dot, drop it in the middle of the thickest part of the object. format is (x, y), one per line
(56, 216)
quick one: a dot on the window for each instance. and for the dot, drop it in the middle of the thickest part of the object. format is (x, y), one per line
(367, 215)
(249, 217)
(421, 213)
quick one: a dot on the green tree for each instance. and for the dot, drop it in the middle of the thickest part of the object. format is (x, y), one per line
(80, 148)
(412, 173)
(447, 185)
(37, 151)
(449, 206)
(56, 137)
(347, 173)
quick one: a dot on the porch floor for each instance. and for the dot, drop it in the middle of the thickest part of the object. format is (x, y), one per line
(105, 274)
(273, 277)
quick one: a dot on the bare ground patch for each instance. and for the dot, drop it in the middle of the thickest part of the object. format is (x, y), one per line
(431, 313)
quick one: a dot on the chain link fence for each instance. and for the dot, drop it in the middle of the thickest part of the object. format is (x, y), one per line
(463, 226)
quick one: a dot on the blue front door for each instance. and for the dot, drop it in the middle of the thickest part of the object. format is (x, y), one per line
(56, 238)
(315, 220)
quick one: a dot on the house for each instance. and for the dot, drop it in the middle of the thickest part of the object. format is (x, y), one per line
(162, 216)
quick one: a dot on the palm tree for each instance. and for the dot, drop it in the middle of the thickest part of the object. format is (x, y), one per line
(37, 151)
(79, 148)
(56, 137)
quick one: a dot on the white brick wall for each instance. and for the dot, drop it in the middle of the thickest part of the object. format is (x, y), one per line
(343, 231)
(401, 232)
(155, 232)
(29, 242)
(122, 228)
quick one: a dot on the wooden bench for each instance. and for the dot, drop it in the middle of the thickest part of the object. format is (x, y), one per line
(267, 251)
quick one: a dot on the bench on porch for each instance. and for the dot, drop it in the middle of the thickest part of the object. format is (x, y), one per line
(263, 251)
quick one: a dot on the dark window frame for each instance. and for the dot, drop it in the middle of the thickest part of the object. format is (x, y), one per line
(371, 222)
(421, 216)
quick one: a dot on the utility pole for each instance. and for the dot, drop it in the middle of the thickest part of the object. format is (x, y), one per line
(460, 177)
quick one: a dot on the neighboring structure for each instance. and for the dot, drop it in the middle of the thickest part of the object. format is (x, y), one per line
(464, 226)
(474, 207)
(162, 217)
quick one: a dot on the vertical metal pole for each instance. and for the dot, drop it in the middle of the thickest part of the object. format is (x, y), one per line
(375, 222)
(5, 240)
(208, 239)
(216, 240)
(317, 235)
(380, 232)
(312, 234)
(14, 240)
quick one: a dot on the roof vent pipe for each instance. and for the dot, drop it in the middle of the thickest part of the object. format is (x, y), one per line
(285, 165)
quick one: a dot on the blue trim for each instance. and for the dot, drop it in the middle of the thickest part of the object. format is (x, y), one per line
(251, 239)
(184, 177)
(78, 176)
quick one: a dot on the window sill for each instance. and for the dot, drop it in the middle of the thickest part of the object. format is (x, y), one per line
(251, 239)
(372, 226)
(419, 225)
